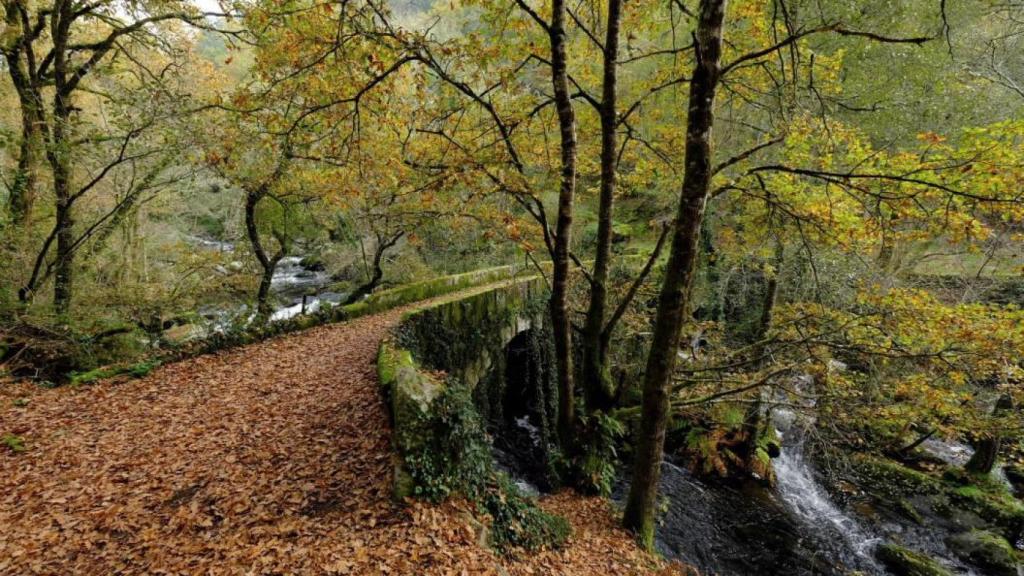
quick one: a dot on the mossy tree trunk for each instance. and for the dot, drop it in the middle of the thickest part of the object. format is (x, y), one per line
(22, 69)
(986, 449)
(59, 155)
(597, 384)
(771, 296)
(23, 189)
(560, 322)
(267, 262)
(673, 302)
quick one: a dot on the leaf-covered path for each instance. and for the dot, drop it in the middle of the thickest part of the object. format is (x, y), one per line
(273, 458)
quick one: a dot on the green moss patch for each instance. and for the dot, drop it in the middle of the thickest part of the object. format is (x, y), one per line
(892, 480)
(137, 370)
(13, 442)
(1000, 508)
(903, 562)
(986, 550)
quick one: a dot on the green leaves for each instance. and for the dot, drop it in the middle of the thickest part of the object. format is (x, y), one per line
(13, 442)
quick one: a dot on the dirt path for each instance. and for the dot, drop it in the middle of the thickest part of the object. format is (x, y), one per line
(273, 458)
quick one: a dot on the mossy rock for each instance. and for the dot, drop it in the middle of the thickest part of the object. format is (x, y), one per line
(1000, 509)
(908, 509)
(313, 262)
(1015, 474)
(891, 479)
(903, 562)
(986, 550)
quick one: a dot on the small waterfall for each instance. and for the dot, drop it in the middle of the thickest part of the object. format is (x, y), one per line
(296, 288)
(808, 501)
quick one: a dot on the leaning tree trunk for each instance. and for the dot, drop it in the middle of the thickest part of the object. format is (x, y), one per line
(673, 302)
(267, 263)
(383, 244)
(597, 383)
(263, 309)
(560, 322)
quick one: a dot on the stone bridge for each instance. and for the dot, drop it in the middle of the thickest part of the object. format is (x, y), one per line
(460, 368)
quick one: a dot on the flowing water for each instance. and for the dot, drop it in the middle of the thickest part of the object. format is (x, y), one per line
(840, 537)
(297, 289)
(794, 530)
(797, 528)
(292, 282)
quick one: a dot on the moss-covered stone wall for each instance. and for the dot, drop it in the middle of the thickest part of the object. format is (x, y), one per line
(463, 338)
(429, 369)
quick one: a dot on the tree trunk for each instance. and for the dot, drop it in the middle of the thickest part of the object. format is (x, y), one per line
(986, 450)
(64, 265)
(368, 287)
(59, 155)
(20, 66)
(673, 302)
(23, 189)
(60, 162)
(267, 263)
(383, 244)
(263, 310)
(771, 292)
(560, 321)
(598, 386)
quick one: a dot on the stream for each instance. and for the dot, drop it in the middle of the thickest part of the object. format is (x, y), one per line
(797, 528)
(292, 282)
(794, 529)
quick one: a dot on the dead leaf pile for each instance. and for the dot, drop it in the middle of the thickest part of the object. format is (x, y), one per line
(274, 458)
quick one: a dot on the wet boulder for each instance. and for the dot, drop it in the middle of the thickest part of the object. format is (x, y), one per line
(313, 263)
(904, 562)
(986, 550)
